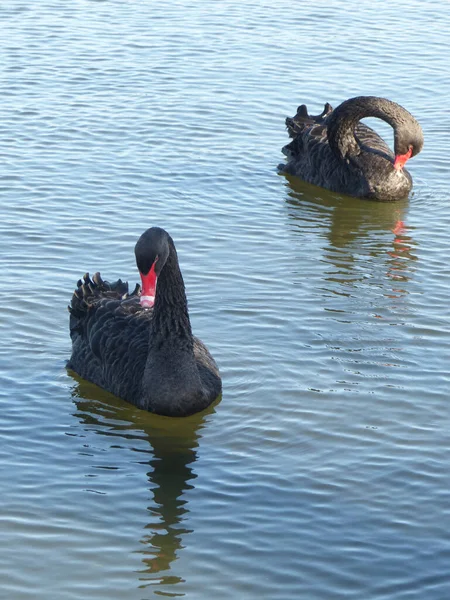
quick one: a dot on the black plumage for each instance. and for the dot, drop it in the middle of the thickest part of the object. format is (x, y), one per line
(147, 356)
(335, 151)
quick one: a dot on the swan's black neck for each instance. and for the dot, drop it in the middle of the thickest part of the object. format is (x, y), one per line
(171, 383)
(343, 120)
(170, 322)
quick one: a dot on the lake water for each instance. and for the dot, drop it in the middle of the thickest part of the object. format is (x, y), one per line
(324, 471)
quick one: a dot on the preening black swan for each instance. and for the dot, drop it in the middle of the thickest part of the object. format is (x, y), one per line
(335, 151)
(140, 346)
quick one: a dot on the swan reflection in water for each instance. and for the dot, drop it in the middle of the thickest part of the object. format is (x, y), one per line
(359, 233)
(172, 446)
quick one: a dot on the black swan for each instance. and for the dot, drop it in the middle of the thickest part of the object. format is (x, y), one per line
(140, 346)
(335, 151)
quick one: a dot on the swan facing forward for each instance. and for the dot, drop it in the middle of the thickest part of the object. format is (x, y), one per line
(335, 151)
(140, 346)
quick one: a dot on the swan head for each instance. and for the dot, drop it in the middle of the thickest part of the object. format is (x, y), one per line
(151, 251)
(408, 141)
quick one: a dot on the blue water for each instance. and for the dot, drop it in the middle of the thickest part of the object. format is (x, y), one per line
(323, 473)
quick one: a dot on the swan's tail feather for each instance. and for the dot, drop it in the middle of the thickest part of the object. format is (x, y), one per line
(302, 111)
(302, 119)
(90, 291)
(304, 129)
(327, 109)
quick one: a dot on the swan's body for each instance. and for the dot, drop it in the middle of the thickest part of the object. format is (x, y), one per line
(142, 353)
(333, 150)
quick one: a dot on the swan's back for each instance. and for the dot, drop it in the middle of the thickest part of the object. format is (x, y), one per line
(310, 157)
(110, 332)
(310, 148)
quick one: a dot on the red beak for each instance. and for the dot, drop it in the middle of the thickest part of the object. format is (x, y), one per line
(148, 292)
(400, 160)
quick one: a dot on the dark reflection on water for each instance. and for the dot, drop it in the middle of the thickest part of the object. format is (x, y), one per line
(173, 449)
(357, 267)
(356, 231)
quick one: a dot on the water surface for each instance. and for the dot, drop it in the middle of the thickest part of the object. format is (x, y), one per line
(324, 470)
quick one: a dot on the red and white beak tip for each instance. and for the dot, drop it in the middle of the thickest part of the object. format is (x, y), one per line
(399, 163)
(147, 301)
(400, 160)
(148, 292)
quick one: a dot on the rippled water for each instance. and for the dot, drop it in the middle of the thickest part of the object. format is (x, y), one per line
(323, 473)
